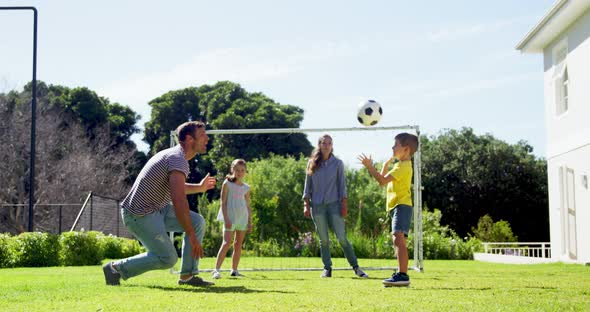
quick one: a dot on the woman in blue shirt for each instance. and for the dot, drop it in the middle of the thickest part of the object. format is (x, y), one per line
(325, 201)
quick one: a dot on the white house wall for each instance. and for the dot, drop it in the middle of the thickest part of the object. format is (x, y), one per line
(568, 135)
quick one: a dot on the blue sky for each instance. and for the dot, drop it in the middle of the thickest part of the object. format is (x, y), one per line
(436, 64)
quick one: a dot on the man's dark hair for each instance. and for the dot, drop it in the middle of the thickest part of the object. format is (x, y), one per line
(188, 128)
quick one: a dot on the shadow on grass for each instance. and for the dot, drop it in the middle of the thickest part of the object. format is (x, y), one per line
(264, 278)
(453, 288)
(211, 289)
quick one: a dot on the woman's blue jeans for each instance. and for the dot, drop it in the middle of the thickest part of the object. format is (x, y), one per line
(152, 231)
(325, 215)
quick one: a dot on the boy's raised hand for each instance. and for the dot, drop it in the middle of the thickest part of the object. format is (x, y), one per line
(367, 161)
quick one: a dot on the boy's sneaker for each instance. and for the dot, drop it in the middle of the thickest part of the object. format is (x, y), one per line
(397, 279)
(111, 276)
(235, 274)
(360, 273)
(326, 273)
(195, 281)
(216, 275)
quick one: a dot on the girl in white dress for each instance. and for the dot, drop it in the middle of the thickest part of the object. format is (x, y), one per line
(236, 215)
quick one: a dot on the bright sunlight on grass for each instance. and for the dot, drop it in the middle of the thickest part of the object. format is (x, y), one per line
(444, 286)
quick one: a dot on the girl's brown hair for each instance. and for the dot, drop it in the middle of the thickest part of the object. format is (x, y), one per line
(231, 177)
(315, 160)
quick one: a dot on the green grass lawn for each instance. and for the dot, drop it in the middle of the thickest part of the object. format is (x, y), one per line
(443, 286)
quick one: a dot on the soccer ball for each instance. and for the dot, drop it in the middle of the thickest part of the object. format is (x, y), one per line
(369, 113)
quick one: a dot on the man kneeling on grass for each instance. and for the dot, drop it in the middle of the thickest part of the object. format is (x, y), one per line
(147, 214)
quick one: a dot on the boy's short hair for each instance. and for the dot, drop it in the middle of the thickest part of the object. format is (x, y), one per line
(188, 128)
(409, 140)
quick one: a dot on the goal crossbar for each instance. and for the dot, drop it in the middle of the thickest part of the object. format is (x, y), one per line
(304, 130)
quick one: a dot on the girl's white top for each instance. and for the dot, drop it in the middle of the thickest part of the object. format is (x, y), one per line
(237, 210)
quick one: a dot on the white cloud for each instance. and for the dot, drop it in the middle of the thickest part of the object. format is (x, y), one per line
(236, 64)
(243, 65)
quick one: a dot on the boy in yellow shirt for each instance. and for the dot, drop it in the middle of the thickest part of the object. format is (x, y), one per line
(399, 199)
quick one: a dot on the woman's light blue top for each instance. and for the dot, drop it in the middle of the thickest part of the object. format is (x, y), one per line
(327, 184)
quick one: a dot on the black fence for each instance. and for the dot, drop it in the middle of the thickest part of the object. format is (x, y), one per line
(97, 213)
(101, 213)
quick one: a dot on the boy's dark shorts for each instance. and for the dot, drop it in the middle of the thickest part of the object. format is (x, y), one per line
(401, 217)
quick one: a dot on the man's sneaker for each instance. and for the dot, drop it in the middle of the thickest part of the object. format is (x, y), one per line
(195, 281)
(216, 275)
(111, 276)
(397, 279)
(235, 274)
(326, 273)
(359, 272)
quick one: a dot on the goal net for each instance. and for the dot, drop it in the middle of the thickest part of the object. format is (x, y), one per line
(368, 140)
(101, 213)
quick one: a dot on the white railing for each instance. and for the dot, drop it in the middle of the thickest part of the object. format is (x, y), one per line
(535, 250)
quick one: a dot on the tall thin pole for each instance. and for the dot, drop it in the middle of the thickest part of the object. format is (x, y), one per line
(33, 114)
(33, 127)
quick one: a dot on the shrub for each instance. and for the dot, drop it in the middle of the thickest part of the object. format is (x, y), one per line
(35, 249)
(111, 246)
(436, 246)
(212, 242)
(441, 242)
(80, 248)
(306, 245)
(384, 246)
(466, 248)
(6, 252)
(131, 247)
(270, 248)
(335, 249)
(362, 245)
(488, 231)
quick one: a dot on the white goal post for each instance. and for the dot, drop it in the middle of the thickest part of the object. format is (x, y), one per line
(418, 238)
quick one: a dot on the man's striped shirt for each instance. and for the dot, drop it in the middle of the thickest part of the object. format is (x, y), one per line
(151, 190)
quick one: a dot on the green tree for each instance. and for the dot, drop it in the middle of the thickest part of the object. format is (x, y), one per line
(90, 109)
(226, 105)
(469, 176)
(489, 231)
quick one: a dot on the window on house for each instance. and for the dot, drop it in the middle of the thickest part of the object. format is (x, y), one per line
(561, 83)
(564, 86)
(561, 78)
